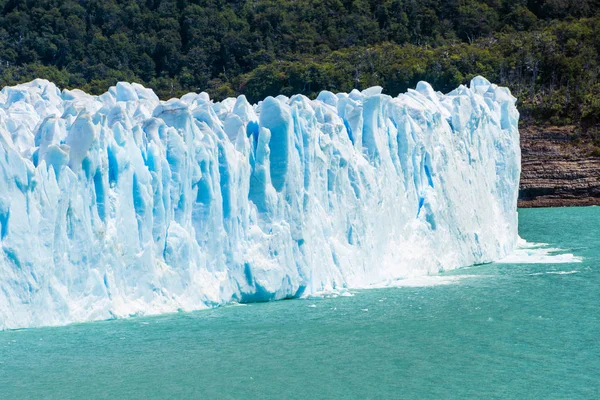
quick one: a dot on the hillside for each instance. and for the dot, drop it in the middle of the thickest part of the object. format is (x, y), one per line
(546, 51)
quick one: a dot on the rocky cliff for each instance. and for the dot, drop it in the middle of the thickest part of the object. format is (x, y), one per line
(555, 172)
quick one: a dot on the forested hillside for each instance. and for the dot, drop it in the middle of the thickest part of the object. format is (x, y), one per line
(546, 51)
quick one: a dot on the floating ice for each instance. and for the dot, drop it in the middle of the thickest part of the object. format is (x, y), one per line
(121, 204)
(538, 253)
(423, 281)
(554, 273)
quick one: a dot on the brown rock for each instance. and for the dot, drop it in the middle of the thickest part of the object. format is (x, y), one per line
(555, 172)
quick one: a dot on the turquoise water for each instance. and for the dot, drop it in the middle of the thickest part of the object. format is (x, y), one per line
(493, 331)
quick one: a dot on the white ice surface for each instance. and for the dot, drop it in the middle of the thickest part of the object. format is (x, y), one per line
(121, 204)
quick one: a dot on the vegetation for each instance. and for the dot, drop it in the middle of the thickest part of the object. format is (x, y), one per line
(546, 51)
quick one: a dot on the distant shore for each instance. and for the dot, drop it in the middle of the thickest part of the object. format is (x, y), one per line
(584, 202)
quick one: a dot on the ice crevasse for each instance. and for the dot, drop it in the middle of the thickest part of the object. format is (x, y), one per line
(121, 204)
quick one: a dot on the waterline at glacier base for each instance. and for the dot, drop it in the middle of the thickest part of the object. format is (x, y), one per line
(120, 204)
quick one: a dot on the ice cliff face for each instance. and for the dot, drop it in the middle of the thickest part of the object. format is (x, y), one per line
(121, 204)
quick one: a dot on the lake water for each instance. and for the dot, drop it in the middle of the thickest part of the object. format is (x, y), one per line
(505, 330)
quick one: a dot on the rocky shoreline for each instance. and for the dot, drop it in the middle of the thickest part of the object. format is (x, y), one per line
(555, 172)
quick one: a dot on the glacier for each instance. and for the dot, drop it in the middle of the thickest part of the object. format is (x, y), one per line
(122, 204)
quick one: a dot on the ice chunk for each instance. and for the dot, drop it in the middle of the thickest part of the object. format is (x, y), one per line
(126, 92)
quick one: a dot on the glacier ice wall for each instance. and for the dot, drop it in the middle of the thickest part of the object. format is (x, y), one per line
(122, 204)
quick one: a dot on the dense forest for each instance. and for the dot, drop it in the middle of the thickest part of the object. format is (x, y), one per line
(546, 51)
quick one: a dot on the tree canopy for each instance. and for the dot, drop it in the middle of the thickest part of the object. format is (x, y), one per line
(545, 51)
